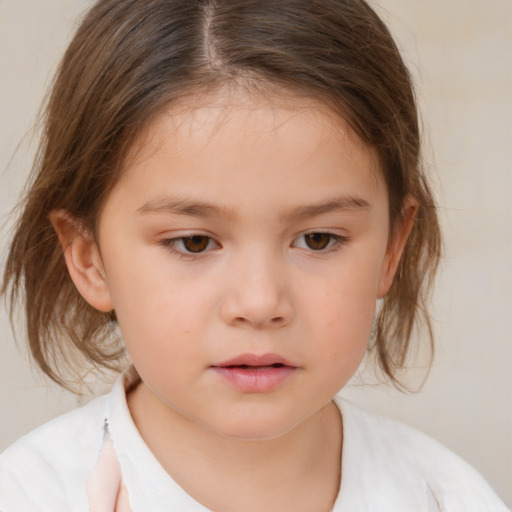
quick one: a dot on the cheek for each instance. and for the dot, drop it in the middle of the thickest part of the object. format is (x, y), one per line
(163, 335)
(343, 312)
(347, 321)
(343, 342)
(158, 312)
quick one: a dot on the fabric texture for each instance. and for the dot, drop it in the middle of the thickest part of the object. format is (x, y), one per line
(94, 459)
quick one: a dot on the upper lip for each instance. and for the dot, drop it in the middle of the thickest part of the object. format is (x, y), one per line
(256, 360)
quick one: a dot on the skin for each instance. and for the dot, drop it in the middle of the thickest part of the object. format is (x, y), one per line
(269, 172)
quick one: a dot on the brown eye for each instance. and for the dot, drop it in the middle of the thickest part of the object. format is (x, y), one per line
(317, 241)
(196, 243)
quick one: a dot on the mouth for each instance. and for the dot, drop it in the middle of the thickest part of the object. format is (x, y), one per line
(256, 368)
(251, 373)
(249, 361)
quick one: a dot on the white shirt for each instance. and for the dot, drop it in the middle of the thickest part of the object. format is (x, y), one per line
(386, 466)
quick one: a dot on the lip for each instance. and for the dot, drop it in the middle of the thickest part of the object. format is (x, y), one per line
(256, 360)
(252, 373)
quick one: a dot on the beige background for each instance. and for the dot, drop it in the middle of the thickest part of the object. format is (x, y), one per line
(460, 52)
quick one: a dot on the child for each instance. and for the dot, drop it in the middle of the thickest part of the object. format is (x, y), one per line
(233, 185)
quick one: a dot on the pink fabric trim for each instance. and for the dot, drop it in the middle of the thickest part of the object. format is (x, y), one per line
(105, 489)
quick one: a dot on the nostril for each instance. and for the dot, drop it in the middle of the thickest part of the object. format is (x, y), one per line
(275, 322)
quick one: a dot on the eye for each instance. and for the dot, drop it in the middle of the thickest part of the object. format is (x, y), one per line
(187, 245)
(319, 241)
(195, 243)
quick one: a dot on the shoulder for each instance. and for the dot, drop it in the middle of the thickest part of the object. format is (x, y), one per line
(46, 469)
(398, 460)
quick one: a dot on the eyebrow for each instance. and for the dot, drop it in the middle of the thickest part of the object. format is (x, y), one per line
(186, 207)
(345, 203)
(205, 209)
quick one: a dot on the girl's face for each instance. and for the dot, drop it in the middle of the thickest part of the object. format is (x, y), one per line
(243, 251)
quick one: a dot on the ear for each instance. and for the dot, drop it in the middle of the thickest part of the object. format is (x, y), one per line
(83, 260)
(396, 245)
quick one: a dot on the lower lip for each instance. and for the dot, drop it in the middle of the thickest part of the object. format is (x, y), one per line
(257, 380)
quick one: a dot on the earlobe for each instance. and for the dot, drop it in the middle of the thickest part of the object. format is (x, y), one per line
(83, 260)
(396, 246)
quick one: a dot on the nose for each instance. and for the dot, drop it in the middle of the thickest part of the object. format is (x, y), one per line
(257, 295)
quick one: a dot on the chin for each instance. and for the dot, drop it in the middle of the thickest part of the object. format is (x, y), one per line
(255, 428)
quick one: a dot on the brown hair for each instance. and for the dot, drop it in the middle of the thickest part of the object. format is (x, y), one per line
(131, 58)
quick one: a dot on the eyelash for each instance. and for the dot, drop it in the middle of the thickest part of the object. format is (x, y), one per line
(172, 245)
(335, 243)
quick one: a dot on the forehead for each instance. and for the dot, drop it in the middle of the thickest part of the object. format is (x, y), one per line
(240, 148)
(198, 122)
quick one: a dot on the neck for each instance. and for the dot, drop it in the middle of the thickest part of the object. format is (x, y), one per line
(299, 468)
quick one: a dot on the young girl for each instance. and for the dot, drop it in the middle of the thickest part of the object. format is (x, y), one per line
(232, 185)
